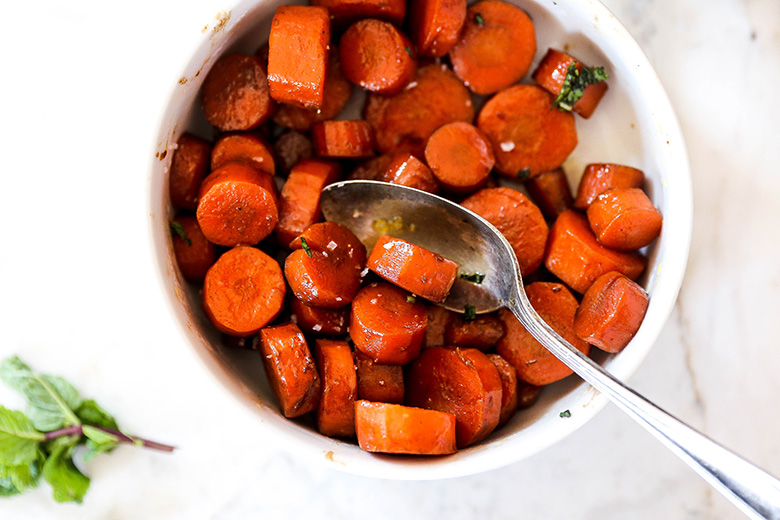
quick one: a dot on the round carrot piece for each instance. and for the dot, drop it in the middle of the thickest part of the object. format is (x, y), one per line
(235, 94)
(509, 396)
(481, 333)
(237, 205)
(520, 221)
(299, 202)
(598, 178)
(372, 169)
(527, 394)
(190, 164)
(551, 73)
(528, 137)
(336, 410)
(535, 364)
(290, 368)
(377, 56)
(611, 312)
(435, 25)
(290, 148)
(624, 219)
(496, 46)
(243, 291)
(393, 428)
(378, 382)
(576, 257)
(462, 382)
(404, 122)
(550, 191)
(343, 139)
(407, 170)
(386, 324)
(438, 319)
(413, 268)
(194, 254)
(333, 238)
(349, 10)
(298, 55)
(460, 156)
(244, 147)
(319, 320)
(322, 279)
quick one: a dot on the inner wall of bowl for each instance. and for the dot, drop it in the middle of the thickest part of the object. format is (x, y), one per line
(632, 126)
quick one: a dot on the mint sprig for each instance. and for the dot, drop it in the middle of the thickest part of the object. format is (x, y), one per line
(42, 441)
(574, 84)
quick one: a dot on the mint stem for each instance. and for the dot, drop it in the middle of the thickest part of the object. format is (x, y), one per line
(121, 437)
(70, 430)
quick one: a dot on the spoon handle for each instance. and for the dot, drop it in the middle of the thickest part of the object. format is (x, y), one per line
(755, 492)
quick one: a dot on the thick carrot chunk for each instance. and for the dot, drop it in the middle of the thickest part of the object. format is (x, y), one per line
(336, 410)
(194, 254)
(550, 191)
(624, 219)
(407, 170)
(551, 73)
(598, 178)
(343, 139)
(378, 382)
(393, 428)
(189, 166)
(247, 148)
(436, 25)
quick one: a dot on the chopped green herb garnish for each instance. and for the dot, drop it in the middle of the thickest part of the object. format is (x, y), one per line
(469, 312)
(529, 363)
(479, 20)
(524, 174)
(476, 278)
(565, 414)
(574, 85)
(409, 52)
(178, 230)
(411, 298)
(305, 247)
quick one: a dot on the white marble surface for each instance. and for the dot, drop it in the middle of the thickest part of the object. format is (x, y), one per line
(82, 85)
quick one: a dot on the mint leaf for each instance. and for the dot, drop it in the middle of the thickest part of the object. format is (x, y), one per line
(92, 413)
(18, 479)
(51, 400)
(178, 229)
(18, 438)
(475, 277)
(574, 84)
(469, 313)
(305, 247)
(69, 484)
(98, 441)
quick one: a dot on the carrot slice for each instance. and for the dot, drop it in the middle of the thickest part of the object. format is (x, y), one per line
(190, 164)
(377, 56)
(243, 291)
(624, 219)
(496, 46)
(435, 25)
(462, 382)
(527, 394)
(290, 148)
(407, 170)
(517, 218)
(298, 55)
(535, 364)
(322, 279)
(319, 320)
(235, 94)
(238, 205)
(552, 71)
(611, 312)
(598, 178)
(290, 368)
(246, 148)
(438, 319)
(343, 139)
(412, 267)
(336, 410)
(481, 333)
(194, 254)
(575, 256)
(393, 428)
(299, 203)
(527, 137)
(550, 191)
(331, 237)
(372, 169)
(349, 10)
(386, 324)
(460, 156)
(509, 396)
(378, 382)
(405, 121)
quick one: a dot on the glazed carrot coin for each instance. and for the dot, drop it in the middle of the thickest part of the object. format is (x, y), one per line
(194, 254)
(481, 333)
(290, 148)
(290, 368)
(336, 410)
(330, 238)
(322, 279)
(407, 170)
(404, 122)
(435, 25)
(348, 10)
(535, 364)
(518, 219)
(377, 382)
(463, 382)
(235, 94)
(460, 156)
(377, 56)
(393, 428)
(598, 178)
(343, 139)
(189, 166)
(496, 46)
(243, 291)
(576, 257)
(413, 268)
(527, 137)
(244, 147)
(298, 55)
(319, 320)
(386, 324)
(438, 319)
(299, 201)
(237, 206)
(611, 312)
(551, 73)
(509, 396)
(624, 219)
(550, 191)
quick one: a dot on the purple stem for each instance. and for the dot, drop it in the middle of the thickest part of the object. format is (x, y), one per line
(78, 430)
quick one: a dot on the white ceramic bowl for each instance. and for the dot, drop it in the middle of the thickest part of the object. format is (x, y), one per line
(633, 125)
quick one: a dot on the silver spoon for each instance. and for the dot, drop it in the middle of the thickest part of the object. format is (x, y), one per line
(476, 246)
